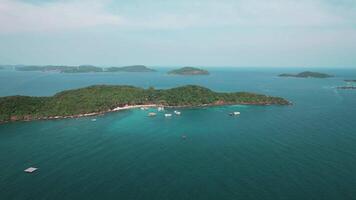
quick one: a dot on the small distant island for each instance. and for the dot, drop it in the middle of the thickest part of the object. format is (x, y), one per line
(101, 99)
(189, 71)
(84, 69)
(350, 81)
(307, 74)
(133, 68)
(347, 87)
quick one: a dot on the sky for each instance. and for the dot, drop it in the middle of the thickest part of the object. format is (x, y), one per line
(240, 33)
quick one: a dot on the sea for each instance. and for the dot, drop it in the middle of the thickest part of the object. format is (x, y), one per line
(303, 151)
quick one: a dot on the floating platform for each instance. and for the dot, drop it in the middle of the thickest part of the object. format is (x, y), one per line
(30, 170)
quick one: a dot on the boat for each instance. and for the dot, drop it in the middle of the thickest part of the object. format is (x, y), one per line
(93, 120)
(177, 112)
(144, 108)
(168, 115)
(160, 108)
(234, 113)
(152, 114)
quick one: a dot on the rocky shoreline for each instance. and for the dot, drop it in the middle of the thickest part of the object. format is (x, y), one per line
(128, 107)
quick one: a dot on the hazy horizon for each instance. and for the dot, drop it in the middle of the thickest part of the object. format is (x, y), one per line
(198, 66)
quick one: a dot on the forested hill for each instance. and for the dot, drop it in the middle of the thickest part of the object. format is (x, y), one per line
(189, 71)
(307, 74)
(104, 98)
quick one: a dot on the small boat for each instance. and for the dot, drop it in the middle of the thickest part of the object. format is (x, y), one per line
(30, 169)
(144, 108)
(160, 108)
(168, 115)
(184, 137)
(152, 114)
(177, 112)
(93, 120)
(234, 113)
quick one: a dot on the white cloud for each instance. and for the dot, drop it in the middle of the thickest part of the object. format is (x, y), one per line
(245, 14)
(17, 16)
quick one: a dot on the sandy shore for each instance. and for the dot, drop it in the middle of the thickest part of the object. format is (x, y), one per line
(127, 107)
(133, 106)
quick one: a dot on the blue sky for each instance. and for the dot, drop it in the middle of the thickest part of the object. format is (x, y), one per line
(278, 33)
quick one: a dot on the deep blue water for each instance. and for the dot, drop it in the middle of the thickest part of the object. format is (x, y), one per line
(304, 151)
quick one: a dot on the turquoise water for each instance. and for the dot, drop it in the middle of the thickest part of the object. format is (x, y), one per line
(304, 151)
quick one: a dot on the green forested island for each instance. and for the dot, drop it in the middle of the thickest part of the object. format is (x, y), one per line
(307, 74)
(105, 98)
(84, 69)
(189, 71)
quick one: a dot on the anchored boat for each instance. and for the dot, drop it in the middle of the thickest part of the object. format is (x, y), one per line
(234, 113)
(152, 114)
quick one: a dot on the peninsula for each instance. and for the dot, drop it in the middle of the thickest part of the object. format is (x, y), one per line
(84, 69)
(100, 99)
(307, 74)
(189, 71)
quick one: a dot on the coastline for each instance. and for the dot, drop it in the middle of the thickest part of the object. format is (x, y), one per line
(129, 107)
(117, 109)
(83, 102)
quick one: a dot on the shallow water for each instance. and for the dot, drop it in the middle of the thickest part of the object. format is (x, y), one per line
(304, 151)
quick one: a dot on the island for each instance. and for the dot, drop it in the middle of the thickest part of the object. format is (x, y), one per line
(99, 99)
(307, 74)
(347, 87)
(132, 68)
(83, 69)
(350, 81)
(189, 71)
(62, 69)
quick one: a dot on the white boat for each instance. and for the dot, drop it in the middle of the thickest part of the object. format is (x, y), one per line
(160, 108)
(235, 113)
(93, 120)
(168, 115)
(152, 114)
(144, 108)
(177, 112)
